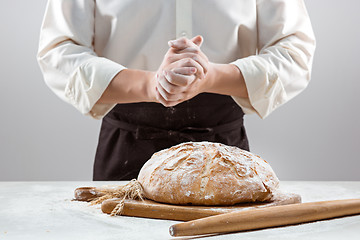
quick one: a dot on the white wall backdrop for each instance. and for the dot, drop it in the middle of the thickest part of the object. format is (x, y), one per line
(316, 136)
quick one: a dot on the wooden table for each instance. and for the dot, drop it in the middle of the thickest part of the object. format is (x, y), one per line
(44, 210)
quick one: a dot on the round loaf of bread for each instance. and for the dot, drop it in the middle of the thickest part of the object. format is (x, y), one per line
(204, 173)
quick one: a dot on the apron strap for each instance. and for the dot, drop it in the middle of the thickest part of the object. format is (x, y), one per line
(188, 133)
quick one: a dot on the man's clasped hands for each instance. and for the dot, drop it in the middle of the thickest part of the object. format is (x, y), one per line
(181, 74)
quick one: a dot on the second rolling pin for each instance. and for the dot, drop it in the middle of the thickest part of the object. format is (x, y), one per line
(267, 217)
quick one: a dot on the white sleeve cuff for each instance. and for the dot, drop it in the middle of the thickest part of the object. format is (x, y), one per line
(265, 90)
(88, 83)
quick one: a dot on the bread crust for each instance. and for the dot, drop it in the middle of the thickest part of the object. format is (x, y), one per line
(204, 173)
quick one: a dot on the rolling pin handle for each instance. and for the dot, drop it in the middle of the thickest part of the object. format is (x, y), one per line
(87, 193)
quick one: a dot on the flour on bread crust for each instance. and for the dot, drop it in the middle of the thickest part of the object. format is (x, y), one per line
(204, 173)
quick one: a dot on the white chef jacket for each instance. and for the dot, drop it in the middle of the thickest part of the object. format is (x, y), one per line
(85, 43)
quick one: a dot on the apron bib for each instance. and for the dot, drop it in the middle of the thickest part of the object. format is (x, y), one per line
(131, 133)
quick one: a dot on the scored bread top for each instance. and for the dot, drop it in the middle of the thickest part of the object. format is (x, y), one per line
(204, 173)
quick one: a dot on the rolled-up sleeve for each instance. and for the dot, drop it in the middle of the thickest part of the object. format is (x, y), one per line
(282, 67)
(66, 56)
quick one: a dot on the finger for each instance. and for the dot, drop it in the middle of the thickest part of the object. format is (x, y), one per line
(184, 70)
(193, 53)
(165, 102)
(189, 62)
(177, 78)
(168, 86)
(164, 95)
(197, 53)
(181, 43)
(195, 50)
(184, 42)
(168, 91)
(161, 100)
(168, 104)
(198, 40)
(203, 62)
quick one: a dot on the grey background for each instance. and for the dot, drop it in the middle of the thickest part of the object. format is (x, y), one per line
(313, 137)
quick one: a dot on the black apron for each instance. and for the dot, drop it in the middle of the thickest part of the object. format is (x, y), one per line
(131, 133)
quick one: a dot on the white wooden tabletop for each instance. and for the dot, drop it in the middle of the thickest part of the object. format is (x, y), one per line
(45, 210)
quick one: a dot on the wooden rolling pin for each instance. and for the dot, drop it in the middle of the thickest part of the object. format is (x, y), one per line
(87, 193)
(267, 217)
